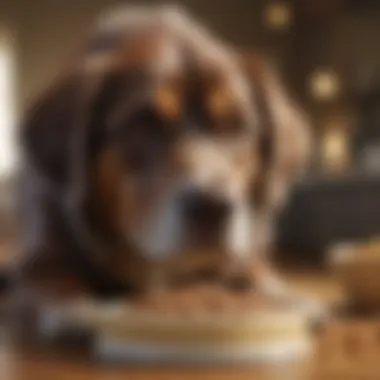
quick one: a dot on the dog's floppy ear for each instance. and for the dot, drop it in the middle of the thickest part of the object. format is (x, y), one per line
(59, 134)
(64, 128)
(284, 131)
(76, 104)
(64, 131)
(56, 119)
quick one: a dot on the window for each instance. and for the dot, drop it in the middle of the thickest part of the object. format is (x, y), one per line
(8, 145)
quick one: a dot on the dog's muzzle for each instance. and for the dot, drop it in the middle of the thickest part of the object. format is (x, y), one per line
(205, 215)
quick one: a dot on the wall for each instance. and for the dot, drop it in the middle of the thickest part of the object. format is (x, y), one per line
(48, 30)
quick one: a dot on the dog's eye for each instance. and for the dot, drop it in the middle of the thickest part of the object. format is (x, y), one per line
(145, 141)
(149, 123)
(231, 124)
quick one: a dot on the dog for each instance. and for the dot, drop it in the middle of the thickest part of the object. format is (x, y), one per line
(159, 145)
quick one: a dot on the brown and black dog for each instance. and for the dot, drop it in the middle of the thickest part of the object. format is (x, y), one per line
(157, 142)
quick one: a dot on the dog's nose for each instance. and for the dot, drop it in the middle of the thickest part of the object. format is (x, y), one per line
(204, 209)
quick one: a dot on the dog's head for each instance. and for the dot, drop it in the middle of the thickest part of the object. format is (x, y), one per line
(169, 139)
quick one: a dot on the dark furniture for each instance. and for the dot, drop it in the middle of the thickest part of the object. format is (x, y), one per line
(325, 211)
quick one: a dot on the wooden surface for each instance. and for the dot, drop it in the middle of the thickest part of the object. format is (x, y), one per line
(349, 348)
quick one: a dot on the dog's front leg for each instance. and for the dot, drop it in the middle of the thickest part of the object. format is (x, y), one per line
(240, 244)
(249, 240)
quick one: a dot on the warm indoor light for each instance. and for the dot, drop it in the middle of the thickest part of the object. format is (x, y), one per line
(335, 148)
(277, 15)
(324, 84)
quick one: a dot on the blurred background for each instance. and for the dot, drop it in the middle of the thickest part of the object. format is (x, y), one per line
(328, 53)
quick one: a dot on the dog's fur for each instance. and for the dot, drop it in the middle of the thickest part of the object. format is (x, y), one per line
(150, 106)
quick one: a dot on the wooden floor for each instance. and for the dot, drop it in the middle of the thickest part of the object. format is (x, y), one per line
(349, 348)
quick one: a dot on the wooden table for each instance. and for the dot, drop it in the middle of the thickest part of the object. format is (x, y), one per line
(347, 349)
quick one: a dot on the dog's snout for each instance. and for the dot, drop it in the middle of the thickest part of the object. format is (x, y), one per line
(204, 209)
